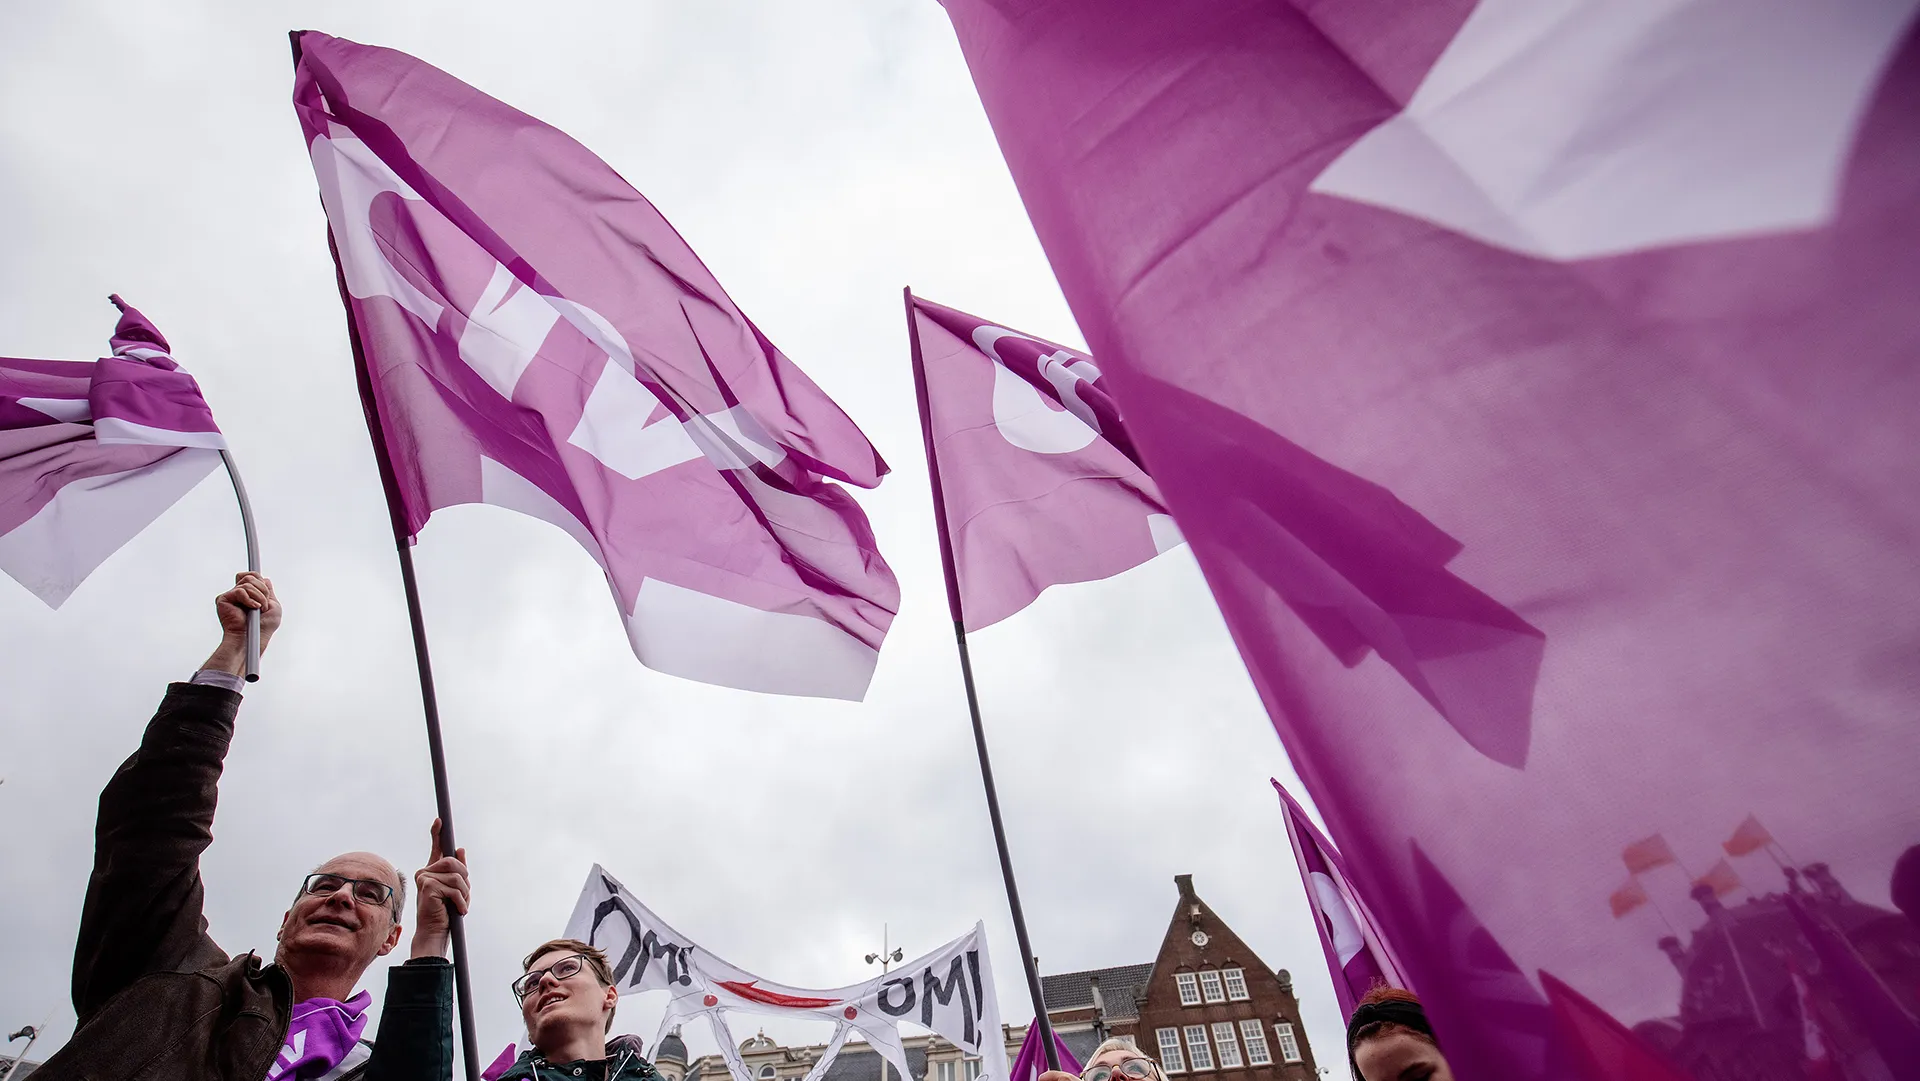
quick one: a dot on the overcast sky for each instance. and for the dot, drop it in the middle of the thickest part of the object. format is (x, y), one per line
(818, 154)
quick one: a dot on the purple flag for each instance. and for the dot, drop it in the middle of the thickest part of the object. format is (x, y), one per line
(1357, 954)
(537, 337)
(1040, 479)
(91, 452)
(1536, 386)
(1032, 1061)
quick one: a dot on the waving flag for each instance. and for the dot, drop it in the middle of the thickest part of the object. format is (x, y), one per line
(1609, 309)
(1357, 957)
(92, 452)
(1031, 1061)
(534, 335)
(1041, 481)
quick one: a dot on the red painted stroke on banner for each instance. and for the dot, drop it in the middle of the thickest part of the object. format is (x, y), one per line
(774, 998)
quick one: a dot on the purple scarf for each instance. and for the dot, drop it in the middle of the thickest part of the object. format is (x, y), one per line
(320, 1035)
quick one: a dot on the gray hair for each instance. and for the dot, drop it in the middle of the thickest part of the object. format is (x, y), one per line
(1124, 1043)
(396, 905)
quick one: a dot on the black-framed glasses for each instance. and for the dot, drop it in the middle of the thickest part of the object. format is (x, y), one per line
(1133, 1069)
(365, 890)
(565, 968)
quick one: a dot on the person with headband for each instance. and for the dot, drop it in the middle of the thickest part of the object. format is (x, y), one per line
(1389, 1039)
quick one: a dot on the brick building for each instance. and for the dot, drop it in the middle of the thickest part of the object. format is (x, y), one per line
(1207, 1006)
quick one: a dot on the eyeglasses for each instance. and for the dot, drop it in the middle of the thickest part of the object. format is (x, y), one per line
(365, 891)
(565, 968)
(1138, 1069)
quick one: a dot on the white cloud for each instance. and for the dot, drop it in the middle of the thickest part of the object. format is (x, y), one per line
(818, 156)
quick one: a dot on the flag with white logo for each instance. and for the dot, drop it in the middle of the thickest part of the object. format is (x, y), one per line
(91, 452)
(1040, 479)
(949, 991)
(534, 335)
(1535, 384)
(1357, 954)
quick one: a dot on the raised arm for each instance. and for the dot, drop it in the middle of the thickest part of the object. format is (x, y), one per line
(143, 911)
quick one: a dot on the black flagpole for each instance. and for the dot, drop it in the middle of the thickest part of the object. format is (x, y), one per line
(973, 702)
(436, 751)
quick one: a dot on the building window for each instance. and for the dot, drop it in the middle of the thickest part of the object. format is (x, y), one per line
(1256, 1037)
(768, 1073)
(946, 1071)
(1171, 1060)
(970, 1069)
(1198, 1052)
(1289, 1047)
(1189, 988)
(1227, 1045)
(1210, 986)
(1236, 984)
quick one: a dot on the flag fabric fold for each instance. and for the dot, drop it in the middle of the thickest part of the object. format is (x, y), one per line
(1041, 481)
(536, 336)
(91, 452)
(1357, 955)
(1627, 898)
(1535, 388)
(1648, 853)
(1031, 1061)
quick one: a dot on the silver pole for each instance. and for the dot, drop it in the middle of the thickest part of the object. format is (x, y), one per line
(253, 564)
(32, 1035)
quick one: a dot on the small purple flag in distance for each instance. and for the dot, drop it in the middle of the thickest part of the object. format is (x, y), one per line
(537, 337)
(1357, 954)
(1536, 386)
(91, 452)
(1040, 479)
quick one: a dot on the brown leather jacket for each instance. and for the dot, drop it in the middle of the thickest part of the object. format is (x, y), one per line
(157, 1000)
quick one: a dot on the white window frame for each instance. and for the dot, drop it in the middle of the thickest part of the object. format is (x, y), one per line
(1289, 1043)
(1236, 984)
(1199, 1051)
(1171, 1059)
(1255, 1036)
(1189, 986)
(1226, 1046)
(1211, 990)
(970, 1068)
(945, 1071)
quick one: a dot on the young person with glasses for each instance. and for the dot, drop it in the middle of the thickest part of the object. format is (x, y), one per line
(567, 999)
(157, 999)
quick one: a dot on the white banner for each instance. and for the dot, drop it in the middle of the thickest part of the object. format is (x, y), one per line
(949, 991)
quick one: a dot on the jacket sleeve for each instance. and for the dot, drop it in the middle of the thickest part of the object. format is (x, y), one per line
(416, 1024)
(143, 911)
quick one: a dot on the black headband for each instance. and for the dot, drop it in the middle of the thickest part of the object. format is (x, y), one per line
(1391, 1012)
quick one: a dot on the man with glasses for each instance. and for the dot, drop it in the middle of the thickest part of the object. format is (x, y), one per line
(567, 999)
(157, 999)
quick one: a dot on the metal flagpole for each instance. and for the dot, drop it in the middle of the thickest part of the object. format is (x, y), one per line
(436, 752)
(253, 564)
(973, 702)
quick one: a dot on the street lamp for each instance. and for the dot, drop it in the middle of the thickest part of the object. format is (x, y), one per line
(888, 955)
(31, 1033)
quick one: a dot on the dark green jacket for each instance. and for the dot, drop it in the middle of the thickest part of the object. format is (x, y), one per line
(623, 1063)
(156, 998)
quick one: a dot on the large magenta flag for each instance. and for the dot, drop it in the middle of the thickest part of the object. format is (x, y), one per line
(1536, 385)
(537, 337)
(91, 452)
(1041, 481)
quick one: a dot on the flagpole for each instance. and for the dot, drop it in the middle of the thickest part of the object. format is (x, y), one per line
(436, 751)
(253, 563)
(973, 702)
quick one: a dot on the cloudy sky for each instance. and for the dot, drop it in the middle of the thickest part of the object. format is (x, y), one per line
(818, 154)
